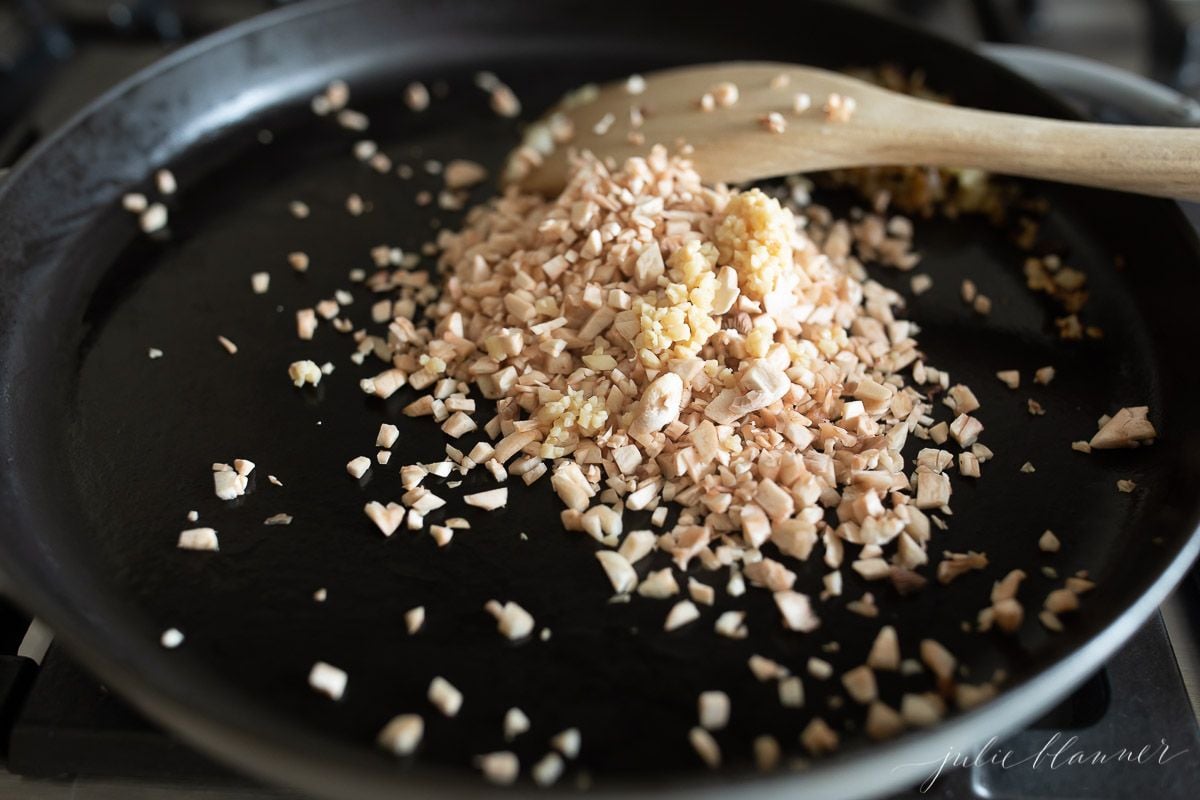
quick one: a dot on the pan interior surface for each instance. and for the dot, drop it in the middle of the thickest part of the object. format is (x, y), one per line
(124, 443)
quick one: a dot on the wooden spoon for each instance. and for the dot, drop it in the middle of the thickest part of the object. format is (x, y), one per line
(731, 143)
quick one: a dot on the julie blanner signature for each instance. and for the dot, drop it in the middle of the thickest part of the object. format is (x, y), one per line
(1058, 752)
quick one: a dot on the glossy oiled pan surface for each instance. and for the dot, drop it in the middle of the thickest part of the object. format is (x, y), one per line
(105, 450)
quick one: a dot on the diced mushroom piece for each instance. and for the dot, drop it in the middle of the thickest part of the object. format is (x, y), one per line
(860, 684)
(402, 734)
(659, 584)
(1043, 375)
(548, 769)
(171, 638)
(818, 738)
(764, 669)
(387, 436)
(302, 372)
(681, 614)
(922, 710)
(387, 518)
(1129, 427)
(198, 539)
(489, 500)
(1049, 542)
(358, 466)
(705, 746)
(791, 692)
(933, 490)
(883, 722)
(965, 429)
(512, 621)
(714, 710)
(885, 650)
(414, 619)
(659, 405)
(1010, 378)
(515, 723)
(328, 680)
(796, 611)
(500, 768)
(444, 697)
(766, 752)
(568, 742)
(619, 571)
(731, 625)
(570, 484)
(938, 659)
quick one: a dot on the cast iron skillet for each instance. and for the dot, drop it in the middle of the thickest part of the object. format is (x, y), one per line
(105, 450)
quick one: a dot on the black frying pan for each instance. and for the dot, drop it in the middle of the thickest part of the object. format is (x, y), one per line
(104, 450)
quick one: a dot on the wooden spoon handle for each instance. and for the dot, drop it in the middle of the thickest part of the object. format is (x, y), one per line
(1164, 162)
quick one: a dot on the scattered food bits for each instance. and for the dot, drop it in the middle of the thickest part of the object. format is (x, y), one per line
(766, 753)
(402, 734)
(302, 372)
(714, 710)
(463, 174)
(154, 353)
(1043, 375)
(1010, 378)
(414, 619)
(171, 638)
(278, 519)
(321, 595)
(416, 96)
(153, 219)
(1035, 408)
(681, 614)
(1028, 468)
(515, 723)
(164, 180)
(705, 746)
(839, 108)
(444, 697)
(725, 94)
(229, 346)
(299, 209)
(504, 102)
(802, 102)
(1125, 485)
(328, 680)
(818, 738)
(568, 742)
(134, 202)
(260, 282)
(387, 436)
(1081, 447)
(920, 284)
(298, 261)
(548, 769)
(228, 484)
(512, 621)
(499, 768)
(773, 122)
(1048, 542)
(387, 518)
(619, 571)
(791, 692)
(489, 500)
(358, 466)
(764, 669)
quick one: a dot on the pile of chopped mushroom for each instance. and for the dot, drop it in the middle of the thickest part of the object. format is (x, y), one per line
(649, 340)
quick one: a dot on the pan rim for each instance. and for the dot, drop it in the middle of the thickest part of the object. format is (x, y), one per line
(311, 762)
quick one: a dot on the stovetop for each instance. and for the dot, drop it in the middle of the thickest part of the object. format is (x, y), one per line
(63, 735)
